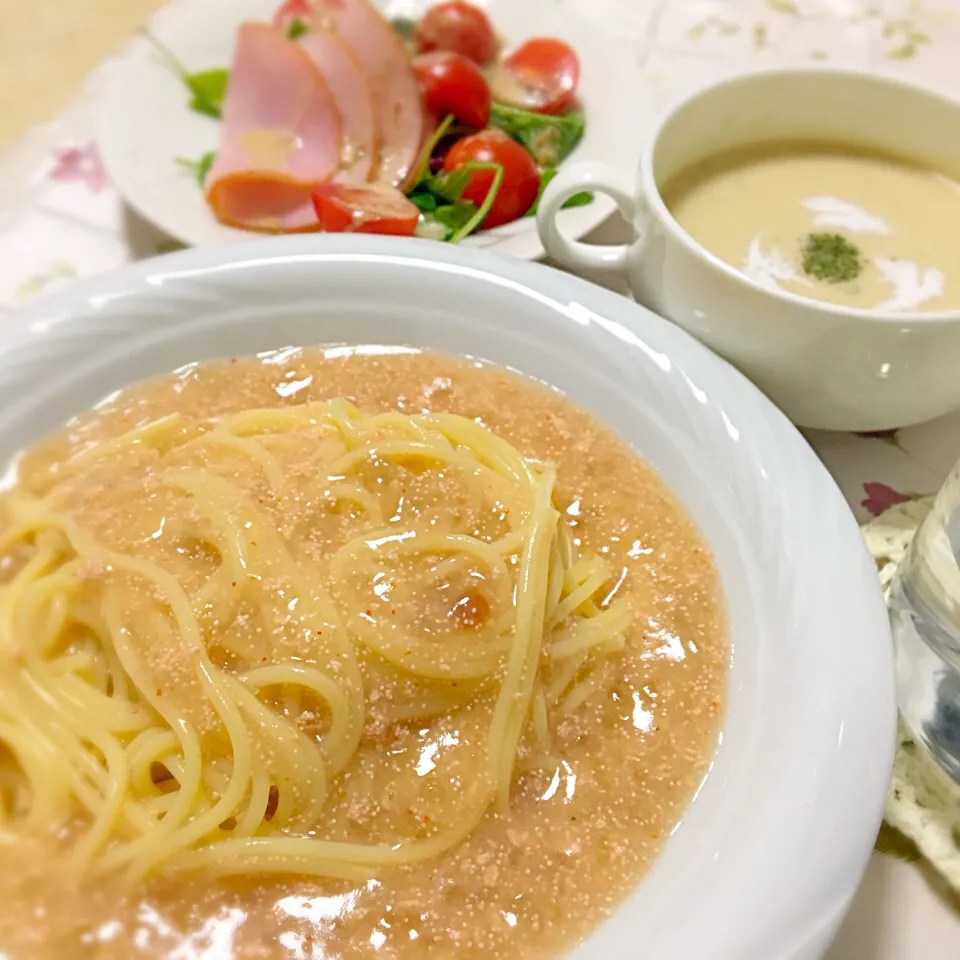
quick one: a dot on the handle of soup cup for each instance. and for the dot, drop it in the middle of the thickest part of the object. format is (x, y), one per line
(595, 177)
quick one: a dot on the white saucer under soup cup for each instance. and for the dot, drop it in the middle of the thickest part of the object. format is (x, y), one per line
(826, 366)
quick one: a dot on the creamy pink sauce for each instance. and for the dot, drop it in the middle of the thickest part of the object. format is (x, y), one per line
(578, 837)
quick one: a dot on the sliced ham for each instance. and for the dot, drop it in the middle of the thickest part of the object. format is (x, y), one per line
(396, 95)
(351, 93)
(281, 136)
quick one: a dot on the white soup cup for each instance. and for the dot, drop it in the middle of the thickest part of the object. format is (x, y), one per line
(826, 366)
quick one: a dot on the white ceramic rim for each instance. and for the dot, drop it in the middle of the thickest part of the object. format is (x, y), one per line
(651, 193)
(769, 854)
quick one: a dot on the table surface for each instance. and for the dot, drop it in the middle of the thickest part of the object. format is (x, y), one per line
(47, 47)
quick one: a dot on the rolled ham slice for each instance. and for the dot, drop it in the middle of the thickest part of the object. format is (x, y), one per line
(396, 95)
(348, 85)
(281, 136)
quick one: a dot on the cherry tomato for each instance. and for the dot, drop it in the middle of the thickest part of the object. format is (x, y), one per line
(457, 27)
(540, 75)
(521, 180)
(371, 208)
(453, 84)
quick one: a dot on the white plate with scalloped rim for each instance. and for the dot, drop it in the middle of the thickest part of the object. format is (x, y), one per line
(145, 123)
(767, 858)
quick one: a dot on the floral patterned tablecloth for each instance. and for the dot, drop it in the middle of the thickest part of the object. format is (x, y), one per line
(60, 219)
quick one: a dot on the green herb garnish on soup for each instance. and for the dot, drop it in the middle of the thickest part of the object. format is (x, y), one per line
(831, 257)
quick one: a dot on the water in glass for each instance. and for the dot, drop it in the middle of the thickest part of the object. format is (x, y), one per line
(925, 616)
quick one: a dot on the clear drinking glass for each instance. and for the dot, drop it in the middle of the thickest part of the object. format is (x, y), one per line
(925, 616)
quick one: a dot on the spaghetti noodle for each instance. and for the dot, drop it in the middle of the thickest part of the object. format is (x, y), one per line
(192, 698)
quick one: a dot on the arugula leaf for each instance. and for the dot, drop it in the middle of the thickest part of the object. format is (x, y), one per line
(460, 217)
(296, 28)
(488, 200)
(422, 199)
(447, 220)
(404, 26)
(423, 170)
(449, 186)
(200, 168)
(208, 87)
(577, 200)
(549, 140)
(456, 215)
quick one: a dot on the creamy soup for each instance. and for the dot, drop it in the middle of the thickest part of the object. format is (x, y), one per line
(824, 221)
(339, 656)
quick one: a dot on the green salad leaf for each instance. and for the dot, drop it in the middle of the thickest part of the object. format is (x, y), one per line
(207, 87)
(296, 28)
(426, 151)
(455, 216)
(423, 200)
(200, 168)
(449, 186)
(577, 200)
(448, 219)
(478, 217)
(831, 257)
(549, 140)
(404, 26)
(438, 200)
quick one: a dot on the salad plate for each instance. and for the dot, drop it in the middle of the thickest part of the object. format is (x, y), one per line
(151, 139)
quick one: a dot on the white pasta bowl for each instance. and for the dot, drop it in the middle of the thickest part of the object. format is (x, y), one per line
(767, 858)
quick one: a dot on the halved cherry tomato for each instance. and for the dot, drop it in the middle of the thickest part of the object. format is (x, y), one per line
(457, 27)
(372, 208)
(521, 180)
(453, 84)
(540, 75)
